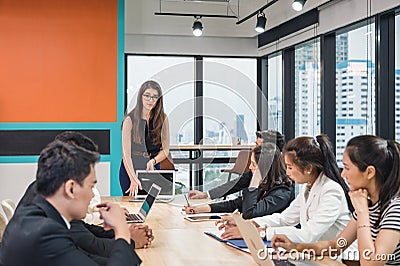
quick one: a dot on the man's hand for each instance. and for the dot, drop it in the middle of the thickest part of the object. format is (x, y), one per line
(142, 235)
(114, 218)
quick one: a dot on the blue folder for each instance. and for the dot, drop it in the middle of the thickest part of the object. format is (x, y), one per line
(239, 243)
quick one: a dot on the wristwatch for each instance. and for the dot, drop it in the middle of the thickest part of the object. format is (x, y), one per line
(263, 233)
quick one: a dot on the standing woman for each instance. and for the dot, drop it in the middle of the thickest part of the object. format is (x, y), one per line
(372, 169)
(145, 137)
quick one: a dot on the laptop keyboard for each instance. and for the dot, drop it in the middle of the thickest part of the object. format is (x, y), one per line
(134, 217)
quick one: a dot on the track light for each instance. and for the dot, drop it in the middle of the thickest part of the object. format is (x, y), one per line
(298, 4)
(261, 21)
(197, 27)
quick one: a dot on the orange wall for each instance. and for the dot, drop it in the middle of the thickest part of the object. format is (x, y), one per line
(58, 60)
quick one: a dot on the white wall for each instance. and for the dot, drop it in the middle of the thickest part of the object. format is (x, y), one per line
(332, 16)
(15, 178)
(189, 45)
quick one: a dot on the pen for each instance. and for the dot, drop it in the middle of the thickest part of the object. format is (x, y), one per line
(187, 201)
(278, 258)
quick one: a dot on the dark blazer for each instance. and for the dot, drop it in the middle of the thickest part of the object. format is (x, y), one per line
(257, 202)
(232, 186)
(84, 238)
(29, 195)
(92, 239)
(38, 235)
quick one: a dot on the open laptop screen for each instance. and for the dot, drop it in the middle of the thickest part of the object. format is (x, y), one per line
(163, 178)
(151, 197)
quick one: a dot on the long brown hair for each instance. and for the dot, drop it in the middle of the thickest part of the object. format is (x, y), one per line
(156, 114)
(270, 163)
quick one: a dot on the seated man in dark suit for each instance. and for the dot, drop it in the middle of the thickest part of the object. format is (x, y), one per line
(243, 181)
(38, 234)
(91, 238)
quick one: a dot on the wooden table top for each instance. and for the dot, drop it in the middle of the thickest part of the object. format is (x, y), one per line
(180, 242)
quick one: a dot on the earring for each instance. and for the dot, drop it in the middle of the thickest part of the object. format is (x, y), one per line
(308, 172)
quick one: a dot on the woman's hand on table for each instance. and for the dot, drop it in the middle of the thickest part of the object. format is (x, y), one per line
(197, 209)
(196, 194)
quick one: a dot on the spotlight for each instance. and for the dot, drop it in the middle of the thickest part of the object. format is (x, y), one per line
(298, 4)
(261, 21)
(197, 28)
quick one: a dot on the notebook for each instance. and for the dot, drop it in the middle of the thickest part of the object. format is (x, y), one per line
(255, 244)
(163, 178)
(146, 206)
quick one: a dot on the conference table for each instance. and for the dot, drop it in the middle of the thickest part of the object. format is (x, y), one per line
(181, 242)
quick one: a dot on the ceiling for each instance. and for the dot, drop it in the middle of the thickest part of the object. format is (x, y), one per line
(140, 18)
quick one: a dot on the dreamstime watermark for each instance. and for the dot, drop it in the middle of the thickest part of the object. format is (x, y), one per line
(332, 253)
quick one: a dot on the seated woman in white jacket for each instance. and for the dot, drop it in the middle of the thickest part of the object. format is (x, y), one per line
(372, 169)
(323, 206)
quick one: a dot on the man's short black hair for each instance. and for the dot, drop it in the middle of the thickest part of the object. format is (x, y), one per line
(77, 138)
(61, 161)
(272, 136)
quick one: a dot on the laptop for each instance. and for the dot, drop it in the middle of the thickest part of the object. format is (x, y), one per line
(255, 244)
(146, 206)
(163, 178)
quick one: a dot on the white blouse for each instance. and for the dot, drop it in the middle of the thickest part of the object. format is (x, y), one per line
(322, 216)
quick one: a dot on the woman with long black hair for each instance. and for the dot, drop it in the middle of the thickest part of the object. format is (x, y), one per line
(270, 189)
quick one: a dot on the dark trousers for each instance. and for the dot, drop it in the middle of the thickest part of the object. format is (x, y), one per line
(125, 181)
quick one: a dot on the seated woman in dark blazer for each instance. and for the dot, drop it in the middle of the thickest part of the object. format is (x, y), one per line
(270, 189)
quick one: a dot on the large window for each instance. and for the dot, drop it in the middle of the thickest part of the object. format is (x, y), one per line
(275, 91)
(397, 76)
(307, 88)
(355, 83)
(175, 75)
(229, 107)
(229, 89)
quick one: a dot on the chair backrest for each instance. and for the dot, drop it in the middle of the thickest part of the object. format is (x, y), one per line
(11, 203)
(3, 224)
(242, 162)
(8, 210)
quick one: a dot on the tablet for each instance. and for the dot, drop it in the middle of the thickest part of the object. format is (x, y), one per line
(203, 218)
(198, 217)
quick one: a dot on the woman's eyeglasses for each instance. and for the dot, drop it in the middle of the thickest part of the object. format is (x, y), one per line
(148, 97)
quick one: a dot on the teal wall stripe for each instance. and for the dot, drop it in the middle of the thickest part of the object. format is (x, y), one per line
(115, 134)
(58, 125)
(34, 159)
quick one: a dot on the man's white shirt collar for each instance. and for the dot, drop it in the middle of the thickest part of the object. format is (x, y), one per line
(66, 222)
